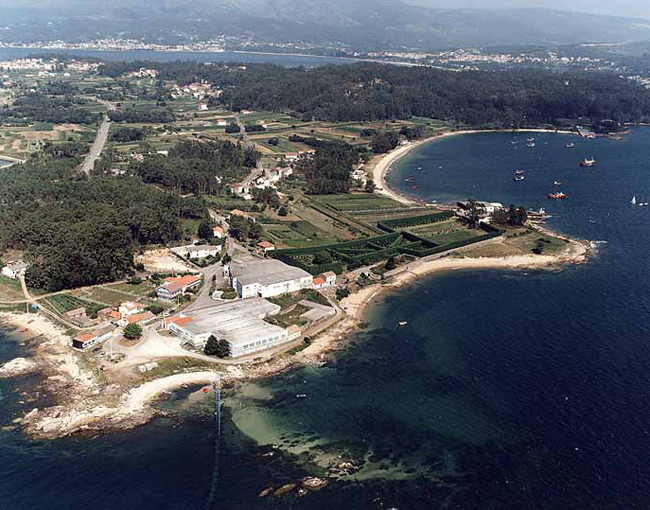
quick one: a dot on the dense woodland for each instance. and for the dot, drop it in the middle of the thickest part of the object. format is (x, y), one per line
(192, 167)
(365, 92)
(144, 113)
(77, 231)
(329, 170)
(38, 107)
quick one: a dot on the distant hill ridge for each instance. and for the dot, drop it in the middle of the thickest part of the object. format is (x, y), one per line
(362, 24)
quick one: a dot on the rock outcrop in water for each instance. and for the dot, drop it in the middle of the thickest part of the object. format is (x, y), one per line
(18, 367)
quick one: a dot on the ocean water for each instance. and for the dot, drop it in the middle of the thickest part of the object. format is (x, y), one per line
(505, 390)
(170, 56)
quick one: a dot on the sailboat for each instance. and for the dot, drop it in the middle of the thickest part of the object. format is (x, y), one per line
(633, 201)
(645, 202)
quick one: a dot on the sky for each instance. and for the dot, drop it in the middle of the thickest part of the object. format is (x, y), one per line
(634, 8)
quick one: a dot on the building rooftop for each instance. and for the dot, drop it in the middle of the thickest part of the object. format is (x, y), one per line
(239, 321)
(17, 265)
(174, 284)
(267, 272)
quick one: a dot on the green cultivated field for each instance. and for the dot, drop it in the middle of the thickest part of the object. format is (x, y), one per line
(360, 202)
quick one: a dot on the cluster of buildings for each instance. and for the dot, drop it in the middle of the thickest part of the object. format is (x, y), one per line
(268, 180)
(241, 322)
(48, 66)
(109, 320)
(199, 251)
(216, 44)
(197, 90)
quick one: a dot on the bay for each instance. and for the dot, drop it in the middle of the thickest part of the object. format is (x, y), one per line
(505, 390)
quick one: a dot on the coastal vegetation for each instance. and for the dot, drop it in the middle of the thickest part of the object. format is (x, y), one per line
(201, 168)
(366, 92)
(41, 107)
(77, 231)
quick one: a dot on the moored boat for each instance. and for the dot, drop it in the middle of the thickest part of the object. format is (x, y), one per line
(570, 145)
(518, 178)
(588, 162)
(556, 196)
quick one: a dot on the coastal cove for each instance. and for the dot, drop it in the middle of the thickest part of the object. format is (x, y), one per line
(503, 389)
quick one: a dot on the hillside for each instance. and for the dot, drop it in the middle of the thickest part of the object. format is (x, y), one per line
(362, 24)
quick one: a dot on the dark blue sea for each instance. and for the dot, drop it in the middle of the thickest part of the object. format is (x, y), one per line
(170, 56)
(505, 390)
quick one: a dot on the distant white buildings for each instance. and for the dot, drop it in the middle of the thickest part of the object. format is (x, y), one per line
(268, 278)
(15, 269)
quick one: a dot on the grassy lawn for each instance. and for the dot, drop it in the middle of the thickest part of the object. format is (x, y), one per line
(140, 289)
(106, 296)
(452, 237)
(527, 242)
(440, 228)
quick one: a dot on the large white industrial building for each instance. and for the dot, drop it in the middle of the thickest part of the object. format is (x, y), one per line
(268, 278)
(239, 322)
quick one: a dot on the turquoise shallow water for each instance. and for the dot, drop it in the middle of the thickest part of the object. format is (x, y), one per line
(506, 390)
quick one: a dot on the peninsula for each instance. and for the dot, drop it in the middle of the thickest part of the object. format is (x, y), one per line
(222, 241)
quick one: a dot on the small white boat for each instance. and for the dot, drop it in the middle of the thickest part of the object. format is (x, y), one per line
(557, 183)
(633, 201)
(530, 144)
(402, 323)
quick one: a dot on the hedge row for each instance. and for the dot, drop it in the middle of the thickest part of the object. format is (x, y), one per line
(450, 246)
(337, 267)
(411, 221)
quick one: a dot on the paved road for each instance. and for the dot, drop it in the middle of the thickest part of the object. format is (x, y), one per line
(257, 171)
(97, 146)
(100, 140)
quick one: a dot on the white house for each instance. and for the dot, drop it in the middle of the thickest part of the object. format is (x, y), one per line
(15, 269)
(266, 246)
(196, 252)
(85, 341)
(323, 280)
(222, 122)
(218, 232)
(129, 308)
(174, 287)
(330, 277)
(203, 107)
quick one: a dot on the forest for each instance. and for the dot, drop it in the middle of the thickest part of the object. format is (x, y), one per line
(368, 91)
(37, 107)
(191, 167)
(77, 231)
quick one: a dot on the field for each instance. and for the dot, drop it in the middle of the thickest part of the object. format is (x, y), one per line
(63, 303)
(359, 202)
(10, 289)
